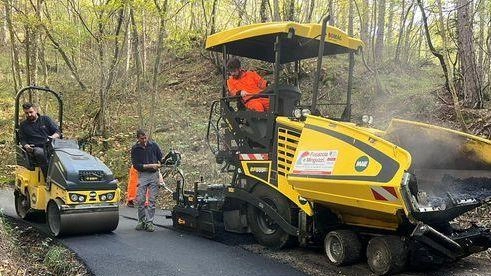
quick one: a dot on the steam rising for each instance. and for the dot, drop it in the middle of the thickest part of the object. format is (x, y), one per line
(452, 170)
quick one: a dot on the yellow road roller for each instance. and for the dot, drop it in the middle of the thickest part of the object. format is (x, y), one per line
(79, 194)
(304, 172)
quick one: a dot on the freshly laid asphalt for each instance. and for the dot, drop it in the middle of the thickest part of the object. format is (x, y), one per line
(163, 252)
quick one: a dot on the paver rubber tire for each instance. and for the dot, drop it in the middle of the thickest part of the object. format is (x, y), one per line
(386, 255)
(342, 247)
(264, 229)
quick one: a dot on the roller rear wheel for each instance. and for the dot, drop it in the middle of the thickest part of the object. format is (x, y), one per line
(22, 204)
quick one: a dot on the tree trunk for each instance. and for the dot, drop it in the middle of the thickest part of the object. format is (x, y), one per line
(351, 15)
(42, 60)
(332, 20)
(4, 32)
(482, 41)
(390, 22)
(27, 56)
(379, 45)
(276, 10)
(144, 44)
(102, 77)
(471, 85)
(214, 16)
(128, 43)
(488, 44)
(69, 63)
(156, 67)
(14, 53)
(241, 9)
(310, 11)
(373, 29)
(444, 60)
(402, 25)
(289, 10)
(263, 12)
(407, 39)
(138, 67)
(364, 22)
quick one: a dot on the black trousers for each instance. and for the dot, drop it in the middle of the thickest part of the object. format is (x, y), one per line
(40, 158)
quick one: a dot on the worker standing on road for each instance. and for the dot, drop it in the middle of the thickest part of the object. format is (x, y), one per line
(146, 156)
(246, 84)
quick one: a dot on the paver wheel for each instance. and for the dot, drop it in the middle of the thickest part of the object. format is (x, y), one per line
(264, 229)
(386, 255)
(342, 247)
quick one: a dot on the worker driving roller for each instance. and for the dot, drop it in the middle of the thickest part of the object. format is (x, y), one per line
(77, 192)
(247, 84)
(34, 132)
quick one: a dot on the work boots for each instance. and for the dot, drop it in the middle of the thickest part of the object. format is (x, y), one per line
(150, 227)
(147, 226)
(140, 226)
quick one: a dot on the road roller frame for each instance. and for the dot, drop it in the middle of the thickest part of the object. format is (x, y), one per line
(300, 177)
(78, 196)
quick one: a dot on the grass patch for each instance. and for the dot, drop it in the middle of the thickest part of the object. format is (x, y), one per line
(56, 262)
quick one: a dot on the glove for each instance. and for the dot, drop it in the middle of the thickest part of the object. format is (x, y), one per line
(243, 93)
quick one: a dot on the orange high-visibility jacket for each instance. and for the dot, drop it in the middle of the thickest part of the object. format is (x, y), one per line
(132, 184)
(249, 81)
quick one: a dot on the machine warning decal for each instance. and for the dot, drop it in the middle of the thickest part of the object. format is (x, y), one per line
(316, 162)
(361, 163)
(384, 193)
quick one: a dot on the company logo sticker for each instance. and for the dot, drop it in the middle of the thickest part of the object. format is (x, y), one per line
(316, 162)
(361, 163)
(334, 36)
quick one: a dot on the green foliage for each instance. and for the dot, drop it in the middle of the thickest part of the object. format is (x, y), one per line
(56, 260)
(181, 42)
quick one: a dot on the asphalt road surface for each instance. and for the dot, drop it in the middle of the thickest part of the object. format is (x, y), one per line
(170, 252)
(163, 252)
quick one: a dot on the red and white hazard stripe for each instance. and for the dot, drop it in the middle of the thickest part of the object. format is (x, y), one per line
(384, 193)
(253, 156)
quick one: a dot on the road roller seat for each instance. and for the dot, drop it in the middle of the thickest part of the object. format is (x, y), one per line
(23, 159)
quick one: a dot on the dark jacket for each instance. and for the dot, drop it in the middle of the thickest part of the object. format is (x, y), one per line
(150, 154)
(37, 132)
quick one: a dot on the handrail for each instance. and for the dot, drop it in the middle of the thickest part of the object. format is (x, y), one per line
(315, 89)
(17, 108)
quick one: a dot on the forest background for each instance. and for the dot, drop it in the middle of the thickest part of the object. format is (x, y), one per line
(125, 64)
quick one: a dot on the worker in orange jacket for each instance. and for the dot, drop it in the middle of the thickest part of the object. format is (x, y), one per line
(246, 84)
(133, 186)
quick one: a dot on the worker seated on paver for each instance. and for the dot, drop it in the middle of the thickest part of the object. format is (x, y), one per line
(247, 85)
